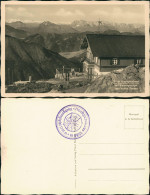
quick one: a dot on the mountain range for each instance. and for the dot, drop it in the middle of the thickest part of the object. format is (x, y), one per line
(29, 59)
(64, 38)
(76, 26)
(44, 27)
(9, 30)
(67, 42)
(32, 49)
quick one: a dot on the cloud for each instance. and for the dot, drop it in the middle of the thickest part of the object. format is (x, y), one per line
(17, 13)
(116, 14)
(15, 9)
(21, 9)
(9, 9)
(79, 13)
(65, 13)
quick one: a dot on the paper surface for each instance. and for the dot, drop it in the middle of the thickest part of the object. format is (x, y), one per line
(112, 157)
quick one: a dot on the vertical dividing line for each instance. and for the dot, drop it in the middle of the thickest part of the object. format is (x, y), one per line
(75, 163)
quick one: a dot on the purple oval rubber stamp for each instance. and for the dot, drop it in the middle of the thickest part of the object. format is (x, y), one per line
(72, 121)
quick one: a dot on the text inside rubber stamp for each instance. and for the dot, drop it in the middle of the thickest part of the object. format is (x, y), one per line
(72, 121)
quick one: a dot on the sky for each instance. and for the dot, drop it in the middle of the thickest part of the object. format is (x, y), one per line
(68, 13)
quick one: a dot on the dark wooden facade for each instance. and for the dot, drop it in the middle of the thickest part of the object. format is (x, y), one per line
(113, 58)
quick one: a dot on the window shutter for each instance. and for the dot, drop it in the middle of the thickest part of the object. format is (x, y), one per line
(141, 61)
(135, 61)
(118, 61)
(111, 61)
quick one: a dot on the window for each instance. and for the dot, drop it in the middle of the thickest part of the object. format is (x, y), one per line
(115, 61)
(96, 60)
(139, 61)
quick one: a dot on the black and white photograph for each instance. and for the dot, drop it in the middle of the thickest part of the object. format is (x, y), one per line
(75, 48)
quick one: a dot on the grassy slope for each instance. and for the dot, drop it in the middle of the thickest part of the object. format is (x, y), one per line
(31, 60)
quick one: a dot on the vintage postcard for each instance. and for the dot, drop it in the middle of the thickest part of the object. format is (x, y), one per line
(75, 48)
(75, 146)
